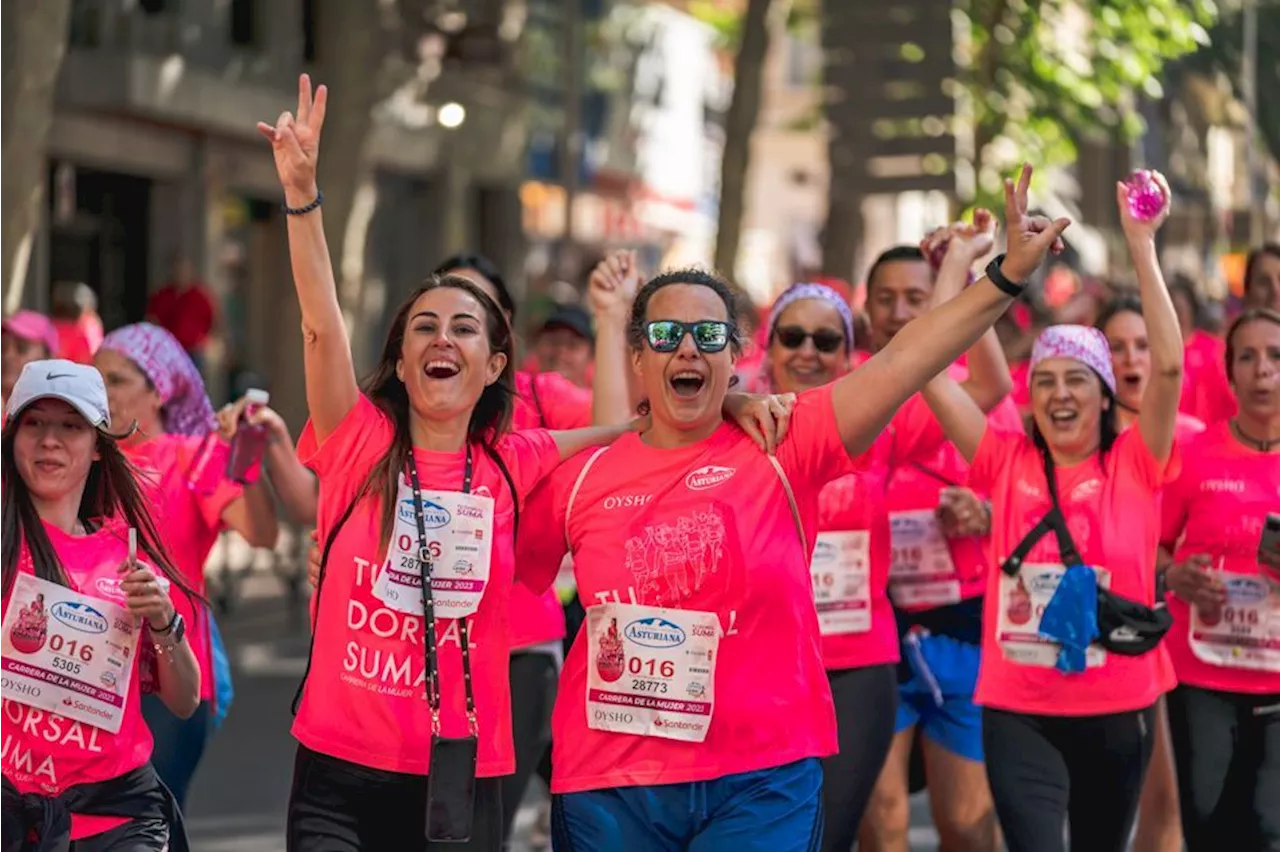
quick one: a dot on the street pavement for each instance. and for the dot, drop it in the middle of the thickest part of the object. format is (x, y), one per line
(237, 802)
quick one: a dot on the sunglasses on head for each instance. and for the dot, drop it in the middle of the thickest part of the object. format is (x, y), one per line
(825, 340)
(708, 335)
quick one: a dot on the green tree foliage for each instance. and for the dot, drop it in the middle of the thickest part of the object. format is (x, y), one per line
(1039, 74)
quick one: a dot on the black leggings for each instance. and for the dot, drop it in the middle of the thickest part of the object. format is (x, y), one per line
(533, 693)
(866, 702)
(1227, 749)
(1081, 771)
(336, 806)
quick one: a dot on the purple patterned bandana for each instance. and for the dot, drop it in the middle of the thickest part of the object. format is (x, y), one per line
(1080, 343)
(186, 409)
(821, 292)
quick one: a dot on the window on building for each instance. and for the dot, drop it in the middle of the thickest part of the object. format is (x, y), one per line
(246, 28)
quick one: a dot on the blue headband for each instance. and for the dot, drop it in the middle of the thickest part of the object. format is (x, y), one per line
(821, 292)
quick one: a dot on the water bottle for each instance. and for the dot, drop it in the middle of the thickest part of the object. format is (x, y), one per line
(1145, 197)
(249, 441)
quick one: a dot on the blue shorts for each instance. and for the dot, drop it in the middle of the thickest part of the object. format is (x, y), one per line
(771, 810)
(939, 695)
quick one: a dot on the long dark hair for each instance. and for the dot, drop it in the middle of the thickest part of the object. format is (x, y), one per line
(110, 492)
(487, 268)
(490, 419)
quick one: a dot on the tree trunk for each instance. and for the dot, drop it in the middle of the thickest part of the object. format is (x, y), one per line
(349, 53)
(843, 231)
(34, 42)
(744, 108)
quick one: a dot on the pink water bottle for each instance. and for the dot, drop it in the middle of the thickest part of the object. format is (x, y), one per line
(249, 441)
(1145, 196)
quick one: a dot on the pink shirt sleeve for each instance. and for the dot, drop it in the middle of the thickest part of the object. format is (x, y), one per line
(916, 432)
(1173, 511)
(1130, 455)
(530, 455)
(813, 451)
(997, 451)
(211, 505)
(541, 544)
(345, 458)
(564, 404)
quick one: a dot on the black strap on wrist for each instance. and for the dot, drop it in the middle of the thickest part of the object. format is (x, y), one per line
(300, 211)
(999, 279)
(168, 628)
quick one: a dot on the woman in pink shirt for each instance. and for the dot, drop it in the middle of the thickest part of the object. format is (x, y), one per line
(1067, 730)
(694, 708)
(152, 382)
(1121, 321)
(1206, 393)
(79, 608)
(1225, 642)
(421, 483)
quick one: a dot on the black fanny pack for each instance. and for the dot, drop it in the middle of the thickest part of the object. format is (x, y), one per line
(1125, 626)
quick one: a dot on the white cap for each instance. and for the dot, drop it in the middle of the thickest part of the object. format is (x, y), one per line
(257, 396)
(78, 385)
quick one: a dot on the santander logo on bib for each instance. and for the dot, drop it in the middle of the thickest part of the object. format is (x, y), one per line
(708, 477)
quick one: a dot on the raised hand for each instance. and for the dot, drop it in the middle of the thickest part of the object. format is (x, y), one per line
(1030, 237)
(145, 594)
(1136, 229)
(295, 142)
(963, 242)
(613, 284)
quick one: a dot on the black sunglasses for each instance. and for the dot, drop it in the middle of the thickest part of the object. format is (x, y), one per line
(825, 340)
(708, 335)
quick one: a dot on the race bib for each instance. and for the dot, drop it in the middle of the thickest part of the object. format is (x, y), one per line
(921, 573)
(842, 582)
(1022, 602)
(1245, 634)
(651, 671)
(459, 541)
(68, 653)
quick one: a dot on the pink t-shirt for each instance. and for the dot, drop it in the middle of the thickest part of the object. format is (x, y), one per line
(1112, 512)
(46, 753)
(916, 483)
(1206, 392)
(708, 528)
(857, 502)
(1217, 506)
(365, 699)
(543, 401)
(189, 523)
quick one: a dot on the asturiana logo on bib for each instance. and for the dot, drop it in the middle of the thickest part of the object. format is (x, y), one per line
(824, 551)
(1246, 590)
(655, 632)
(80, 617)
(708, 477)
(434, 515)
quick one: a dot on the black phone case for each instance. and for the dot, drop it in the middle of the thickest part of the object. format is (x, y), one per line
(451, 789)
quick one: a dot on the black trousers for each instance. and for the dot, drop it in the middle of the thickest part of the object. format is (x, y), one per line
(866, 702)
(1083, 772)
(1226, 747)
(533, 694)
(336, 806)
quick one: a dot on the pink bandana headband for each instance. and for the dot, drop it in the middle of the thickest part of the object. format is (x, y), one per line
(1080, 343)
(186, 409)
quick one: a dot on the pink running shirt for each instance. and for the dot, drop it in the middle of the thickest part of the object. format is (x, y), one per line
(190, 524)
(1206, 391)
(46, 753)
(543, 401)
(1217, 506)
(365, 699)
(704, 527)
(1114, 518)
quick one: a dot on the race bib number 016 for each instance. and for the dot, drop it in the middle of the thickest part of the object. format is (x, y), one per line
(1022, 602)
(1245, 632)
(921, 571)
(459, 541)
(842, 582)
(651, 671)
(68, 653)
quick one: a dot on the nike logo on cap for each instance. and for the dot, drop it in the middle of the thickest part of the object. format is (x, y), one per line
(51, 376)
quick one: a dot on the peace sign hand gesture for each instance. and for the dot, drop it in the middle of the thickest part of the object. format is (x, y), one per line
(295, 142)
(1030, 237)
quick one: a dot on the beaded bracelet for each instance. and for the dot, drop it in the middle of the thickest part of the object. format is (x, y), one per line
(299, 211)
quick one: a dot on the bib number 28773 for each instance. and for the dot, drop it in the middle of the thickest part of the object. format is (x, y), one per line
(651, 671)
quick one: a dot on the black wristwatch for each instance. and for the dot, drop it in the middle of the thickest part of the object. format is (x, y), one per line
(1002, 281)
(177, 628)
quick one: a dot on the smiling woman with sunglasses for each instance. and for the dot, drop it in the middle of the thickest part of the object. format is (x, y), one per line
(694, 707)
